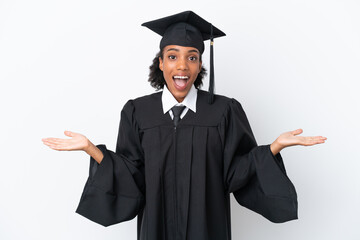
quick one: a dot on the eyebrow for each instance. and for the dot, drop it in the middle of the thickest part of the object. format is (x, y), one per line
(173, 49)
(196, 51)
(177, 50)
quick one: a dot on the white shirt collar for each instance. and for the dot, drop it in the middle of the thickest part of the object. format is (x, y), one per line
(168, 100)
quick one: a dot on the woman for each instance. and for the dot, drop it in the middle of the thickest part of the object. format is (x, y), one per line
(182, 151)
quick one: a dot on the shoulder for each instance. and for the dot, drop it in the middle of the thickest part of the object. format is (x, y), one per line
(220, 101)
(144, 102)
(148, 99)
(145, 110)
(221, 107)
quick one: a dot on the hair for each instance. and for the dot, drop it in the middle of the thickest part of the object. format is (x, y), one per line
(156, 77)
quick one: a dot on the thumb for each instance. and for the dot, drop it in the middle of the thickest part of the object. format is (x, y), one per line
(297, 131)
(69, 133)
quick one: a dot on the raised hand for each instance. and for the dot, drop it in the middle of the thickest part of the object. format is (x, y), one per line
(76, 142)
(288, 139)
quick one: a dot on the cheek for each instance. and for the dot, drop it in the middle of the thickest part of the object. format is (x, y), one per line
(163, 67)
(168, 69)
(167, 75)
(197, 70)
(166, 72)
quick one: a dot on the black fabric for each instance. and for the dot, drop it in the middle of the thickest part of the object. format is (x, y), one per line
(212, 76)
(184, 29)
(178, 182)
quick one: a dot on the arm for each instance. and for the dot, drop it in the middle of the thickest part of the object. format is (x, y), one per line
(255, 176)
(94, 152)
(115, 189)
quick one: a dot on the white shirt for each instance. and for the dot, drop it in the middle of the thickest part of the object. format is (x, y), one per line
(168, 101)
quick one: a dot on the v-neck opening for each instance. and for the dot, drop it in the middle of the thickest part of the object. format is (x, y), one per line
(188, 116)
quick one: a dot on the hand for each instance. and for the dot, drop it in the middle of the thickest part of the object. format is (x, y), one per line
(288, 139)
(76, 142)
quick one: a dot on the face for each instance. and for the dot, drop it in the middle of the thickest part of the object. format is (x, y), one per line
(180, 66)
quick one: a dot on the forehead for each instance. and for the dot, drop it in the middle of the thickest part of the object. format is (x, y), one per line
(181, 49)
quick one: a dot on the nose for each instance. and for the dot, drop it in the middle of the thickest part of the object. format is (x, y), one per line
(182, 64)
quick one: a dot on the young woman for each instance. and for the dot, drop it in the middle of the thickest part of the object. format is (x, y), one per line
(182, 151)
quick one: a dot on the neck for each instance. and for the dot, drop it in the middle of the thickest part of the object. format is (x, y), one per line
(179, 100)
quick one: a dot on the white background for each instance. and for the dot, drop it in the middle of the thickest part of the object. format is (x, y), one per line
(72, 65)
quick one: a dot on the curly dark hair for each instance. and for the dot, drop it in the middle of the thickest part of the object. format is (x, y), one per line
(156, 77)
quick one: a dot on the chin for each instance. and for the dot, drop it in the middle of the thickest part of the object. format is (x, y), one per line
(180, 90)
(181, 95)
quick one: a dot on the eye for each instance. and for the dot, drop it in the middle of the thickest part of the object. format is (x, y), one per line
(172, 57)
(192, 58)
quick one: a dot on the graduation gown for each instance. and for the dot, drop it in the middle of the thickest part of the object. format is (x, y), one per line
(178, 181)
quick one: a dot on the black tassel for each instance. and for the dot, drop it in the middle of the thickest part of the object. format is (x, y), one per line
(211, 81)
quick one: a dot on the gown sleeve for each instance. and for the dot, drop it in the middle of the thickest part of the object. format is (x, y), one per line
(252, 173)
(114, 191)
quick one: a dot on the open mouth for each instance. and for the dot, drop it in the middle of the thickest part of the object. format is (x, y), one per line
(180, 81)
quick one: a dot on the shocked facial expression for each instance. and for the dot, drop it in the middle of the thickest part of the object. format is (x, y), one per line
(180, 66)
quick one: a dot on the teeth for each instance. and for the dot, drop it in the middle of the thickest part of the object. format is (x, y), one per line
(181, 77)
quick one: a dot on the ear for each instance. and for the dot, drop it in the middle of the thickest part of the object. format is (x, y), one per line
(161, 64)
(200, 65)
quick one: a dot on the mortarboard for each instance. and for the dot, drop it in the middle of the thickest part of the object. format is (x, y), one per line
(189, 30)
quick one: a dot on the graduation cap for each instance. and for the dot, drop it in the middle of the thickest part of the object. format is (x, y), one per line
(187, 29)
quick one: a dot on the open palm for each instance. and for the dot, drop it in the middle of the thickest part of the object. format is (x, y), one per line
(291, 139)
(76, 142)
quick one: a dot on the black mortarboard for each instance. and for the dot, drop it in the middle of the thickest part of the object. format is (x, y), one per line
(189, 30)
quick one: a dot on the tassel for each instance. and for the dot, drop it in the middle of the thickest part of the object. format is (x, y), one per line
(211, 80)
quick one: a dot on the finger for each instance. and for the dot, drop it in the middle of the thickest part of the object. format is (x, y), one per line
(313, 140)
(319, 139)
(61, 140)
(69, 133)
(316, 138)
(297, 131)
(53, 146)
(47, 139)
(47, 143)
(55, 140)
(59, 147)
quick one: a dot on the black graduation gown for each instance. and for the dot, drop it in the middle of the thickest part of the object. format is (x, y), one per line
(178, 181)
